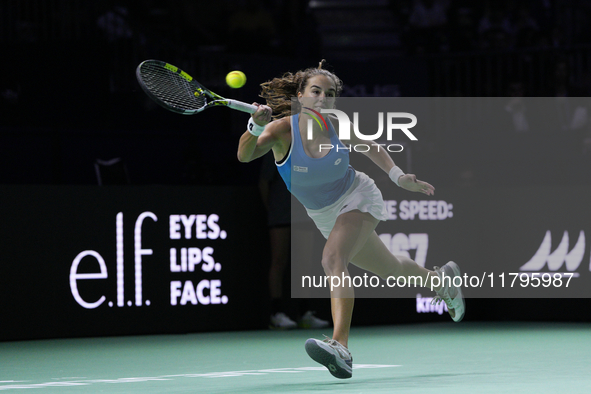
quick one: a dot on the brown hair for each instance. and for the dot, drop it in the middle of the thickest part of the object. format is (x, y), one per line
(279, 91)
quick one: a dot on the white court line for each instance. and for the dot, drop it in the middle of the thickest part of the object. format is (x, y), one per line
(224, 374)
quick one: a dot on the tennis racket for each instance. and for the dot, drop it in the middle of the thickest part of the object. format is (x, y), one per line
(178, 92)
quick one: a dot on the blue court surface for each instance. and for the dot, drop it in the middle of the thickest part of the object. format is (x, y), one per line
(427, 358)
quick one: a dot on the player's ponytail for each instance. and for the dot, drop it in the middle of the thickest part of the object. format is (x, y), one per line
(278, 93)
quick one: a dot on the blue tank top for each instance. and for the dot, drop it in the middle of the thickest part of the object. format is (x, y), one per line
(316, 183)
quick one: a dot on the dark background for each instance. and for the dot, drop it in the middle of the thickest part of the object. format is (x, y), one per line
(68, 97)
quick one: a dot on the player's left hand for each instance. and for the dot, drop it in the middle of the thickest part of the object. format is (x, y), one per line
(411, 183)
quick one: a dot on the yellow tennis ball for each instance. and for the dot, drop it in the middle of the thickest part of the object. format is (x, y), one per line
(236, 79)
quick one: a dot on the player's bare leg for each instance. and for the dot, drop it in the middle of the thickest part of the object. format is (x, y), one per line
(375, 257)
(347, 237)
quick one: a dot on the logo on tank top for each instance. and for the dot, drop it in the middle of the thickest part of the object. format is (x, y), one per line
(300, 169)
(336, 163)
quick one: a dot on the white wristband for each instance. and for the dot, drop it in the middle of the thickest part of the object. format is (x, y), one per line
(254, 128)
(395, 173)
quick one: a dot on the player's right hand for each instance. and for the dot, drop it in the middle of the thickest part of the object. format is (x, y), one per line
(262, 116)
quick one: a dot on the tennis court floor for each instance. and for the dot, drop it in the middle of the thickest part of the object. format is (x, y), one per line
(469, 357)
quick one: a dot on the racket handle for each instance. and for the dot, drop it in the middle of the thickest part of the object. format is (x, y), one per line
(240, 106)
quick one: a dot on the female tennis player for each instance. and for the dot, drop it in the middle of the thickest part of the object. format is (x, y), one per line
(345, 204)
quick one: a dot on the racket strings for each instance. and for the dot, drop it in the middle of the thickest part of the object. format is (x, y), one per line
(172, 88)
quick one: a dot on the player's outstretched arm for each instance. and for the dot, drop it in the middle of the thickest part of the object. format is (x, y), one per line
(383, 160)
(258, 139)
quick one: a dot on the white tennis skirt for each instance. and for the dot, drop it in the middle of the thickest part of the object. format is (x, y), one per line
(363, 195)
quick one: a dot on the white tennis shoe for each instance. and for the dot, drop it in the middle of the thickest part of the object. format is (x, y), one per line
(332, 355)
(280, 321)
(311, 321)
(449, 293)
